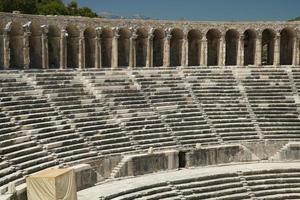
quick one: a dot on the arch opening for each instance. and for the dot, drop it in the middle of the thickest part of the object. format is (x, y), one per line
(287, 38)
(231, 39)
(249, 47)
(106, 47)
(158, 48)
(35, 46)
(90, 45)
(176, 47)
(72, 46)
(53, 46)
(213, 43)
(141, 47)
(194, 48)
(123, 47)
(268, 41)
(16, 46)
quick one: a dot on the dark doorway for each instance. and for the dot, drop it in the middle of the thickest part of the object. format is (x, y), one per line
(182, 159)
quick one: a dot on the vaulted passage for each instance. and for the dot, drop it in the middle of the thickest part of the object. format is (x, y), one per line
(72, 46)
(268, 41)
(231, 38)
(90, 45)
(123, 47)
(16, 46)
(158, 47)
(141, 47)
(194, 41)
(176, 47)
(213, 43)
(53, 46)
(287, 39)
(249, 47)
(106, 47)
(35, 45)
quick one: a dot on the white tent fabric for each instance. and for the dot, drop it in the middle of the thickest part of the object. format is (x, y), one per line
(52, 184)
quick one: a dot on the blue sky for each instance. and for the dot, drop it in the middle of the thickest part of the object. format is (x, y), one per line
(216, 10)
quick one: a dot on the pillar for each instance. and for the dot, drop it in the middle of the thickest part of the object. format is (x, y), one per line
(114, 56)
(240, 53)
(6, 49)
(258, 49)
(222, 50)
(26, 35)
(276, 60)
(132, 48)
(296, 50)
(63, 49)
(203, 51)
(81, 52)
(167, 47)
(185, 49)
(45, 57)
(149, 57)
(98, 58)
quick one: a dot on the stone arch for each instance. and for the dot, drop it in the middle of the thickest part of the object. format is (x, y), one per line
(231, 39)
(268, 41)
(89, 41)
(124, 47)
(35, 46)
(194, 47)
(213, 43)
(54, 46)
(158, 47)
(176, 47)
(249, 46)
(16, 45)
(287, 38)
(106, 47)
(141, 47)
(72, 46)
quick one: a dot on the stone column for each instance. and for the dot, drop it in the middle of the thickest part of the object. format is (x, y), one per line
(6, 49)
(185, 49)
(149, 57)
(276, 60)
(240, 50)
(296, 50)
(114, 56)
(45, 57)
(258, 49)
(222, 50)
(26, 55)
(132, 48)
(167, 47)
(98, 53)
(203, 58)
(81, 52)
(63, 49)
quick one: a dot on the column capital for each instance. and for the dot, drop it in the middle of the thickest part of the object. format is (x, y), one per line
(168, 34)
(98, 32)
(150, 34)
(7, 28)
(115, 31)
(63, 33)
(27, 27)
(133, 31)
(45, 29)
(185, 33)
(277, 35)
(203, 39)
